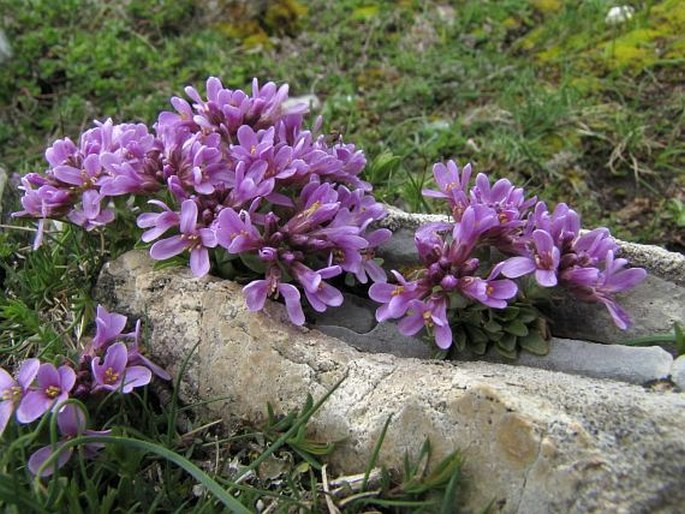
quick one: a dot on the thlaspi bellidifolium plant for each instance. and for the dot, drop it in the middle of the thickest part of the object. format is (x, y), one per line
(481, 272)
(110, 362)
(236, 175)
(237, 181)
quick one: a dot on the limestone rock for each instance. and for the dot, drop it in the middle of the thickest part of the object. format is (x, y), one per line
(678, 372)
(535, 441)
(354, 323)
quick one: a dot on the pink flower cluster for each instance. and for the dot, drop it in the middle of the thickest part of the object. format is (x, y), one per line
(525, 238)
(112, 361)
(233, 173)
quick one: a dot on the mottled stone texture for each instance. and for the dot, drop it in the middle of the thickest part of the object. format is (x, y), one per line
(535, 441)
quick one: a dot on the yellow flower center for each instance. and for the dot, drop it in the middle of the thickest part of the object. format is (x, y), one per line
(428, 319)
(11, 393)
(52, 391)
(397, 291)
(111, 376)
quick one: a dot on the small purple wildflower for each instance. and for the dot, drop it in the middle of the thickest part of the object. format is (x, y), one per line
(71, 422)
(114, 372)
(543, 261)
(431, 315)
(12, 391)
(193, 238)
(52, 387)
(257, 291)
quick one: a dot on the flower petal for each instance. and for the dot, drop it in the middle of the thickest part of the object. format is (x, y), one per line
(67, 378)
(515, 267)
(33, 405)
(443, 336)
(27, 372)
(47, 375)
(116, 357)
(71, 420)
(255, 295)
(38, 457)
(546, 277)
(188, 216)
(6, 410)
(292, 303)
(167, 248)
(6, 380)
(199, 261)
(136, 376)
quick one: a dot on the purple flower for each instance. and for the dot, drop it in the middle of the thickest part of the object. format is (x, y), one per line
(157, 222)
(369, 268)
(394, 297)
(236, 233)
(52, 388)
(433, 316)
(108, 326)
(452, 186)
(592, 247)
(115, 373)
(490, 292)
(257, 291)
(12, 391)
(192, 238)
(71, 422)
(543, 261)
(319, 293)
(601, 286)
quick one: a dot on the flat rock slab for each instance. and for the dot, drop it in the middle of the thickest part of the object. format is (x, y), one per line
(354, 323)
(536, 441)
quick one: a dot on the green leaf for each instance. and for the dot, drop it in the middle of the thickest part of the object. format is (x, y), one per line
(253, 262)
(476, 335)
(478, 347)
(516, 327)
(507, 343)
(203, 478)
(457, 301)
(679, 338)
(534, 343)
(510, 313)
(459, 339)
(509, 354)
(492, 326)
(528, 315)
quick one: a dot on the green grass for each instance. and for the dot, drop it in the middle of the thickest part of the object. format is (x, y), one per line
(541, 92)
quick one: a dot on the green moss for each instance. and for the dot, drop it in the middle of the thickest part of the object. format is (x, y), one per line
(547, 6)
(284, 16)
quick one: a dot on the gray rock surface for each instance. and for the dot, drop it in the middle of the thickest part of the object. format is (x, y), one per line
(618, 362)
(654, 305)
(535, 441)
(354, 323)
(678, 372)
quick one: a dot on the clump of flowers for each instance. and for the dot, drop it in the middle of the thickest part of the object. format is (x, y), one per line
(235, 180)
(110, 362)
(465, 291)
